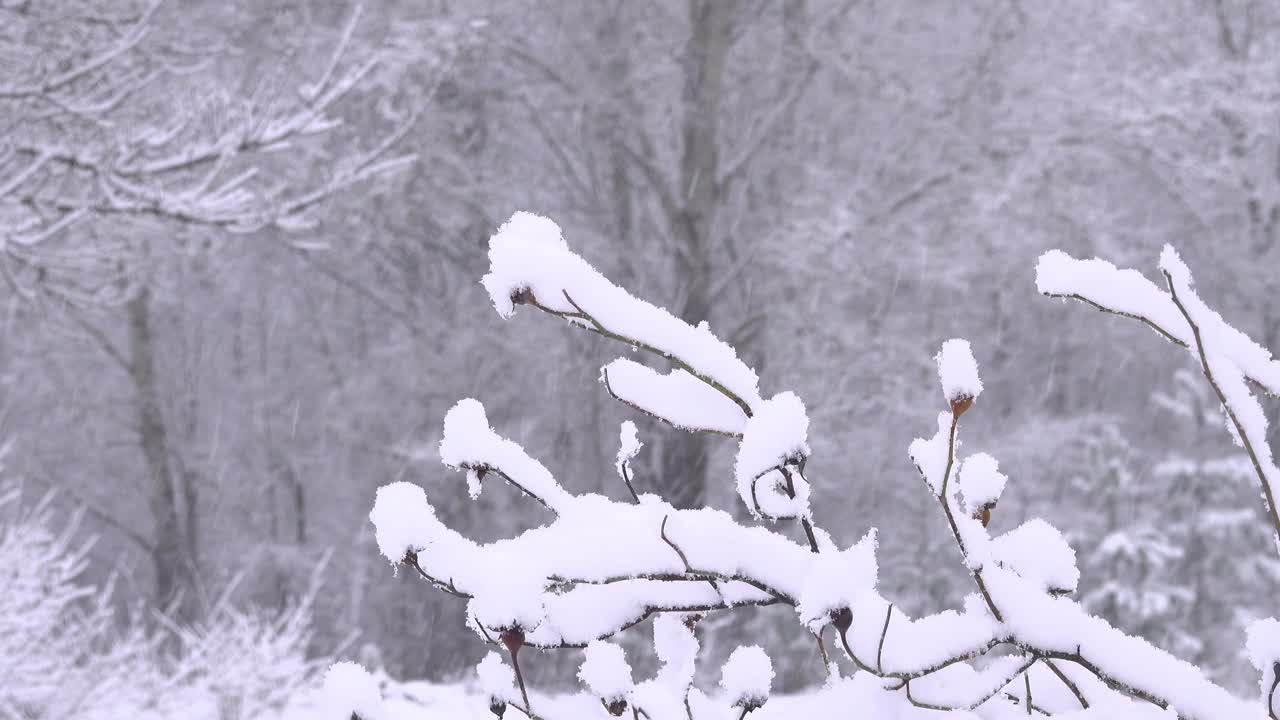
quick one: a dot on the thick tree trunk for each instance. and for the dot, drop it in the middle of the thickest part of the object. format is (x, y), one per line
(683, 479)
(173, 554)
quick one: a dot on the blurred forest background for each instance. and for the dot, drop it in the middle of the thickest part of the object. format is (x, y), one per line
(221, 380)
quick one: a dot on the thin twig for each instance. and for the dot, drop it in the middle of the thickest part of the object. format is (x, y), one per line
(884, 632)
(1231, 413)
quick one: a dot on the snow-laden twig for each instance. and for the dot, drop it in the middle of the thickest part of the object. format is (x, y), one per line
(599, 566)
(1228, 357)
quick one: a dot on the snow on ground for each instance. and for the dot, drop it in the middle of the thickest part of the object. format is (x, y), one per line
(430, 701)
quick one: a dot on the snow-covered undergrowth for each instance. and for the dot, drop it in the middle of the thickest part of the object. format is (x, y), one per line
(64, 655)
(1019, 645)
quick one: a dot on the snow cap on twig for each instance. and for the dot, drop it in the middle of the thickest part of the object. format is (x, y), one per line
(350, 691)
(747, 677)
(607, 675)
(958, 372)
(628, 447)
(398, 513)
(777, 435)
(498, 682)
(981, 484)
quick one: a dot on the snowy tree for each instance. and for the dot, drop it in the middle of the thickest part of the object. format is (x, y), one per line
(63, 653)
(1019, 645)
(122, 148)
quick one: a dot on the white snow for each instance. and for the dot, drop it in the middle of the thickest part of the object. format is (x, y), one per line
(836, 580)
(962, 686)
(776, 435)
(528, 255)
(1263, 643)
(1263, 648)
(1038, 552)
(348, 689)
(677, 647)
(605, 671)
(747, 677)
(469, 443)
(930, 456)
(981, 482)
(1223, 347)
(958, 371)
(497, 679)
(676, 397)
(509, 597)
(1057, 624)
(600, 566)
(628, 446)
(399, 515)
(1129, 293)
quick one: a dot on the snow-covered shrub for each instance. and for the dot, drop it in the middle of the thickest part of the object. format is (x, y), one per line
(59, 652)
(1019, 645)
(236, 664)
(64, 654)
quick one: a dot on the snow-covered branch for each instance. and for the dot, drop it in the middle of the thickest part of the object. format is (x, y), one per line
(601, 566)
(1228, 357)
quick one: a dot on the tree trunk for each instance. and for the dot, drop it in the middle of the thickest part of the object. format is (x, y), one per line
(683, 478)
(173, 554)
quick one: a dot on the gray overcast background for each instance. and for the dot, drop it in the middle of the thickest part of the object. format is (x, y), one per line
(223, 368)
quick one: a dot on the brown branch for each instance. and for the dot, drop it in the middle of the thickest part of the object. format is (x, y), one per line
(411, 559)
(598, 327)
(1026, 677)
(884, 633)
(822, 650)
(1075, 689)
(905, 675)
(951, 520)
(1145, 320)
(662, 532)
(1003, 681)
(1231, 413)
(1271, 694)
(604, 374)
(626, 478)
